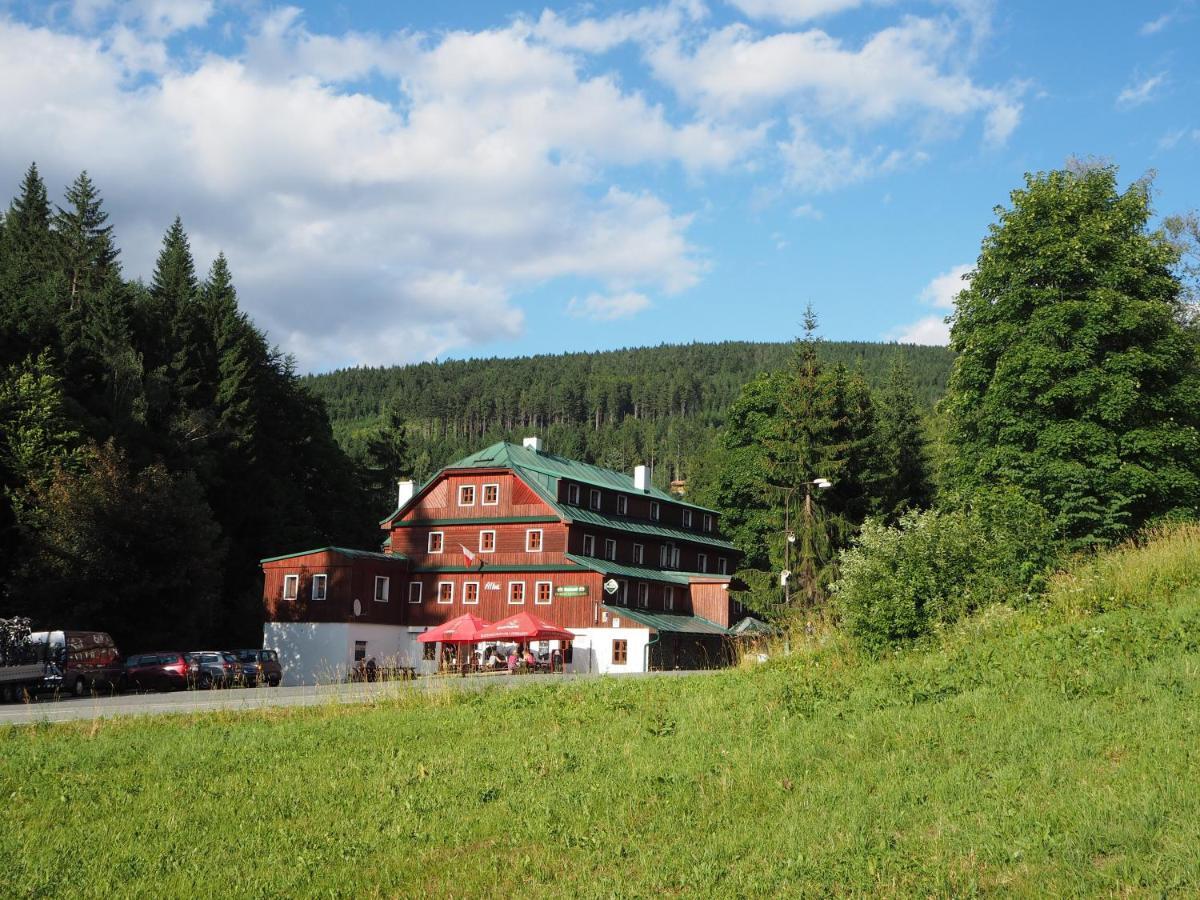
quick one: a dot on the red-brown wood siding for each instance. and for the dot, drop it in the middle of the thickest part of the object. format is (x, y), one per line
(569, 612)
(441, 501)
(413, 542)
(347, 579)
(712, 602)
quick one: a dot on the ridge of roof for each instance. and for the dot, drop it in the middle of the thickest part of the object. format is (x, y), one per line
(349, 552)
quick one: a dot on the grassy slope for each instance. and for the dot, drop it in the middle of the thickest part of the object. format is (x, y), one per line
(1038, 753)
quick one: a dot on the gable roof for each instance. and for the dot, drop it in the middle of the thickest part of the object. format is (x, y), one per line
(347, 552)
(679, 623)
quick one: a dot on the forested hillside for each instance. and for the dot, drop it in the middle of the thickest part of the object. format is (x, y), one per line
(659, 405)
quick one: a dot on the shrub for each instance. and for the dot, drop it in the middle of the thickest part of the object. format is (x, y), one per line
(934, 567)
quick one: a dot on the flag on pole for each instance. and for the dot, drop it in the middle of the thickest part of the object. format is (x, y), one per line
(468, 554)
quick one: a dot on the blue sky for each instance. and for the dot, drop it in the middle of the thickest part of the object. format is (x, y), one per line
(395, 182)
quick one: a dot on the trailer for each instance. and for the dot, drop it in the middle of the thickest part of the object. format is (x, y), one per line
(22, 666)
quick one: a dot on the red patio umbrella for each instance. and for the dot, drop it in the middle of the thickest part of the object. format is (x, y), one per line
(525, 627)
(465, 629)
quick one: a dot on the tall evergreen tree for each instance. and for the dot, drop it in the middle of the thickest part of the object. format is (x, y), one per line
(87, 254)
(387, 461)
(27, 314)
(902, 446)
(1076, 380)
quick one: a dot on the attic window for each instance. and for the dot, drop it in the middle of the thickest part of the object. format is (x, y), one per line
(573, 494)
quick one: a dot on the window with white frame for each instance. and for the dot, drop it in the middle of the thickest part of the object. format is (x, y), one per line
(589, 545)
(319, 583)
(543, 591)
(594, 499)
(701, 562)
(672, 556)
(639, 554)
(466, 495)
(622, 505)
(687, 518)
(291, 586)
(669, 597)
(610, 549)
(573, 494)
(491, 495)
(487, 542)
(516, 592)
(445, 592)
(655, 510)
(471, 593)
(382, 583)
(662, 556)
(644, 595)
(436, 541)
(533, 540)
(707, 522)
(623, 593)
(414, 592)
(722, 565)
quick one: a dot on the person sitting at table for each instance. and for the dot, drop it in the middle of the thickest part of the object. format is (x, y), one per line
(512, 660)
(530, 660)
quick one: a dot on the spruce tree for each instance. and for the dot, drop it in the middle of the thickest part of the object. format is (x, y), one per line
(27, 314)
(902, 446)
(387, 461)
(1075, 380)
(87, 254)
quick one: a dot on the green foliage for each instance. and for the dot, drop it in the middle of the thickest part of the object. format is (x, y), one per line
(1076, 379)
(938, 566)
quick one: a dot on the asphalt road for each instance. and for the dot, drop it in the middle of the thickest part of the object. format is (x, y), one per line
(49, 709)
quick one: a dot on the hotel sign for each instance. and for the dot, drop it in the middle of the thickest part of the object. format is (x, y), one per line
(571, 590)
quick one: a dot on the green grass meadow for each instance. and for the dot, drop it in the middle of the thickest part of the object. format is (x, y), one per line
(1048, 752)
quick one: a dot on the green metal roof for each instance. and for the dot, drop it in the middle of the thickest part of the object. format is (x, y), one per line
(505, 455)
(341, 551)
(497, 570)
(670, 622)
(476, 520)
(639, 526)
(643, 573)
(751, 627)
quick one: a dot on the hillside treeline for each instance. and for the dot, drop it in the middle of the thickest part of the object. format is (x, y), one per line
(153, 445)
(663, 406)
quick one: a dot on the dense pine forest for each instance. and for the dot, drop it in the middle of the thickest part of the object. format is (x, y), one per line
(663, 406)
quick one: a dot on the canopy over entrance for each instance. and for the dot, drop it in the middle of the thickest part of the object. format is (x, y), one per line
(525, 627)
(466, 629)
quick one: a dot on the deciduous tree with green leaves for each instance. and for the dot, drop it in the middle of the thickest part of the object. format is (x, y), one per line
(1076, 380)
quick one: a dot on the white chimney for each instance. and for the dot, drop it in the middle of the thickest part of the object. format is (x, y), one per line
(641, 478)
(532, 443)
(407, 489)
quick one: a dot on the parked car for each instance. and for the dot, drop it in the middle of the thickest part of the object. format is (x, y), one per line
(77, 662)
(163, 670)
(260, 667)
(213, 668)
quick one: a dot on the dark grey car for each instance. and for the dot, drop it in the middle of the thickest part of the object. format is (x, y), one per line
(260, 667)
(213, 668)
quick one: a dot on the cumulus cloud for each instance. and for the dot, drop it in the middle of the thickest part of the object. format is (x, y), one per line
(816, 168)
(944, 289)
(929, 330)
(793, 12)
(1154, 26)
(941, 292)
(1138, 92)
(606, 307)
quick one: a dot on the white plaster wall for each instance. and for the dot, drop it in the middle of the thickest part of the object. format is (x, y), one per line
(593, 650)
(323, 652)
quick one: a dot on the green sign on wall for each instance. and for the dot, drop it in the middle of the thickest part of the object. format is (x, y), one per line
(571, 590)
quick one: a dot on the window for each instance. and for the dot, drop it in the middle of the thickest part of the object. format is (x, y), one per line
(573, 494)
(610, 548)
(620, 652)
(662, 556)
(654, 510)
(466, 495)
(644, 595)
(471, 593)
(687, 518)
(639, 554)
(414, 592)
(533, 540)
(318, 587)
(491, 495)
(722, 565)
(623, 593)
(672, 556)
(436, 542)
(594, 499)
(707, 522)
(445, 592)
(291, 586)
(702, 562)
(382, 583)
(542, 593)
(622, 505)
(429, 651)
(360, 651)
(516, 592)
(589, 545)
(487, 542)
(669, 597)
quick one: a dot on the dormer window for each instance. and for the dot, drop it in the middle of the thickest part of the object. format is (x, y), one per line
(622, 505)
(589, 545)
(610, 549)
(687, 518)
(594, 499)
(702, 562)
(466, 495)
(573, 494)
(655, 511)
(722, 566)
(491, 495)
(707, 522)
(639, 554)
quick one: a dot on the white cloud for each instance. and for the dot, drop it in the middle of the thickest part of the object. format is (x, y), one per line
(1154, 26)
(1139, 92)
(812, 167)
(157, 18)
(808, 211)
(605, 308)
(944, 289)
(793, 12)
(930, 330)
(592, 35)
